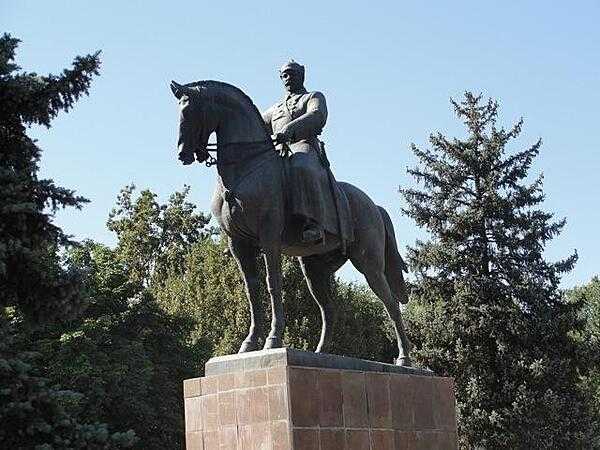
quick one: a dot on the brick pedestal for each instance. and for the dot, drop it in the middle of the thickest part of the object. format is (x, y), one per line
(285, 399)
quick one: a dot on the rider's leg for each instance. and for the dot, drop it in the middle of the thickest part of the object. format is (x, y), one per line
(306, 194)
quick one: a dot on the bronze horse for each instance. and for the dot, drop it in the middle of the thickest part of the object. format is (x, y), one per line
(249, 204)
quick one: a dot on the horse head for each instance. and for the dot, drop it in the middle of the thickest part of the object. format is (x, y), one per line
(214, 106)
(196, 122)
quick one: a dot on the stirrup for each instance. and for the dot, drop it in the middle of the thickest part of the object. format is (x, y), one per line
(312, 235)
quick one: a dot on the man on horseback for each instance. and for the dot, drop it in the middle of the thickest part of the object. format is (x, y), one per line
(296, 122)
(253, 195)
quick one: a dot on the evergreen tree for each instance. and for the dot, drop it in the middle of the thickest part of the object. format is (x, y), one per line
(487, 308)
(34, 286)
(588, 296)
(30, 277)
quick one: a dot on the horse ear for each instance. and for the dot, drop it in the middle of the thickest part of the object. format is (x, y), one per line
(177, 89)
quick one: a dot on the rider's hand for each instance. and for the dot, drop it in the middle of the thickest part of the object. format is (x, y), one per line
(278, 139)
(282, 136)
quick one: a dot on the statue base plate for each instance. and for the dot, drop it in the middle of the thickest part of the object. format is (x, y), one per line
(286, 399)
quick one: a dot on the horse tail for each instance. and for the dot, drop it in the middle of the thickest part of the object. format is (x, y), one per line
(394, 264)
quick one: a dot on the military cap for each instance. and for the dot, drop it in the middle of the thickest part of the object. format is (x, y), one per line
(293, 66)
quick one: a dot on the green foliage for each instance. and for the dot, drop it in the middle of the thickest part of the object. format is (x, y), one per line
(208, 289)
(35, 288)
(154, 238)
(30, 277)
(486, 307)
(36, 414)
(126, 355)
(588, 296)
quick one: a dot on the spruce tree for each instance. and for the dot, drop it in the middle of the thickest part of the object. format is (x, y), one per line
(31, 278)
(487, 308)
(35, 288)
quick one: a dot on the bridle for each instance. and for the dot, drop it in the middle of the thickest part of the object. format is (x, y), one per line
(215, 147)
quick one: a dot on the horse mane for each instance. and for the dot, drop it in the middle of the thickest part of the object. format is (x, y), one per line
(220, 89)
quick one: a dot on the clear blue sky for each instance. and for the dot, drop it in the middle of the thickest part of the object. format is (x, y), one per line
(387, 69)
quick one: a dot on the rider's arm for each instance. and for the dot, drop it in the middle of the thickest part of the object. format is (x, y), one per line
(311, 122)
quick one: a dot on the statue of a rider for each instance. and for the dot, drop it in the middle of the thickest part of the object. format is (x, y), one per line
(296, 122)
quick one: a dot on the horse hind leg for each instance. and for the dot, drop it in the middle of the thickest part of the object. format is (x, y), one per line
(317, 273)
(378, 283)
(372, 265)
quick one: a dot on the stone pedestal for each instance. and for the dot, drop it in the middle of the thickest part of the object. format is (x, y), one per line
(286, 399)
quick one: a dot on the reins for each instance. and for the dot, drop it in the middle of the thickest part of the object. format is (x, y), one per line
(215, 147)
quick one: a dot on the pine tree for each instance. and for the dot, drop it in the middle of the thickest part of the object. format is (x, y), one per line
(31, 278)
(487, 308)
(33, 283)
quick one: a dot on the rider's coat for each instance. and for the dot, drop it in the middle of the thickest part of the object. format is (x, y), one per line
(302, 116)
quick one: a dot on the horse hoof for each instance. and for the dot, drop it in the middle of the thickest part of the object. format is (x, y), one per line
(248, 346)
(404, 361)
(273, 342)
(321, 348)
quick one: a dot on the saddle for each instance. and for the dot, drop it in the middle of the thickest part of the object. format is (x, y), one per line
(330, 210)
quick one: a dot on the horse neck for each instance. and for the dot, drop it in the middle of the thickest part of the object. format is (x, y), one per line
(240, 126)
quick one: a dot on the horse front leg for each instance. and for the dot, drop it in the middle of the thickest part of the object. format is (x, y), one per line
(246, 257)
(273, 265)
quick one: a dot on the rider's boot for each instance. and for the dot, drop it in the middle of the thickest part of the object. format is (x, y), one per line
(312, 233)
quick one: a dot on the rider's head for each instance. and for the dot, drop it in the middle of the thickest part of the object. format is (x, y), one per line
(292, 75)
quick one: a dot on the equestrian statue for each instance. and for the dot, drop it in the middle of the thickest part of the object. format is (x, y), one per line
(276, 194)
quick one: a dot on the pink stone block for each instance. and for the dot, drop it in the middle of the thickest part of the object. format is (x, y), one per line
(259, 406)
(210, 385)
(194, 440)
(402, 393)
(278, 406)
(193, 414)
(378, 400)
(332, 439)
(243, 405)
(228, 438)
(357, 440)
(304, 399)
(305, 439)
(330, 398)
(192, 387)
(406, 440)
(354, 400)
(382, 440)
(211, 440)
(277, 375)
(423, 404)
(280, 435)
(444, 404)
(286, 407)
(209, 408)
(226, 382)
(227, 409)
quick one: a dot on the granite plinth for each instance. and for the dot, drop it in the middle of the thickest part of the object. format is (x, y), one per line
(286, 399)
(281, 357)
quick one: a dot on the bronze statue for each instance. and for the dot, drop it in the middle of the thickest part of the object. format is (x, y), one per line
(290, 204)
(296, 122)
